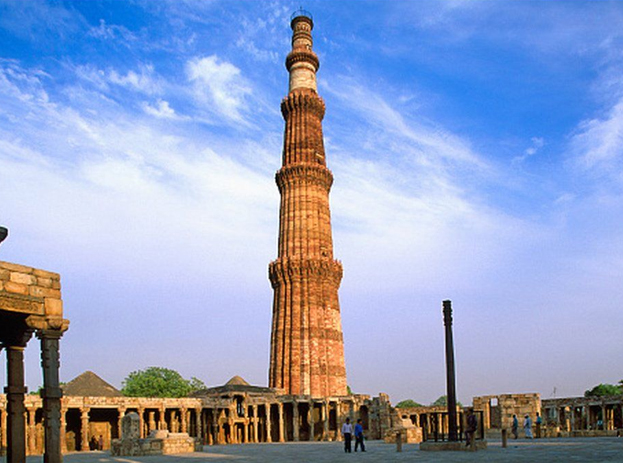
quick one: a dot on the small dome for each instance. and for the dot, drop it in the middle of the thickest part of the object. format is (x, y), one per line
(237, 381)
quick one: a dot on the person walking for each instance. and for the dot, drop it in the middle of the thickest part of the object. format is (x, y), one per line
(527, 425)
(359, 436)
(347, 432)
(538, 423)
(472, 426)
(515, 427)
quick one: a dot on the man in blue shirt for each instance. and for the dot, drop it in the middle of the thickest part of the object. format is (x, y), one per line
(359, 436)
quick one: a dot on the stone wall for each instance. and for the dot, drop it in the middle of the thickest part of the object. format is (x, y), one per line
(30, 290)
(498, 410)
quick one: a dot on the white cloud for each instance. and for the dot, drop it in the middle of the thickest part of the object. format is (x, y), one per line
(430, 144)
(112, 32)
(598, 142)
(161, 110)
(537, 144)
(219, 86)
(144, 80)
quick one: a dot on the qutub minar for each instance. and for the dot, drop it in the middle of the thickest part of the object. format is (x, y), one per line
(307, 348)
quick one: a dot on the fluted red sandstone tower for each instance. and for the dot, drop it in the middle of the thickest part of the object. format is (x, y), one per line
(307, 348)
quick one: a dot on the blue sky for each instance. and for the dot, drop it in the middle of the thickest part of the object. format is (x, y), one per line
(477, 149)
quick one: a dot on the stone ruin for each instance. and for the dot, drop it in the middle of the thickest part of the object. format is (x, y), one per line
(159, 442)
(402, 424)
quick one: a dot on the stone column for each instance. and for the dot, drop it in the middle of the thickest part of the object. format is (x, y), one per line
(32, 441)
(269, 437)
(325, 421)
(311, 421)
(120, 414)
(174, 423)
(256, 423)
(84, 429)
(338, 419)
(295, 421)
(3, 428)
(162, 422)
(151, 421)
(63, 430)
(15, 391)
(184, 419)
(141, 422)
(604, 417)
(51, 394)
(199, 428)
(282, 433)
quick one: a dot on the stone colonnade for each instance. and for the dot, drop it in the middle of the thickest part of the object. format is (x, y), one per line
(584, 415)
(91, 422)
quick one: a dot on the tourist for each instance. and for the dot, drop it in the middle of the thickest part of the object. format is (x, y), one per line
(472, 425)
(527, 425)
(539, 422)
(347, 432)
(359, 436)
(93, 443)
(100, 443)
(515, 427)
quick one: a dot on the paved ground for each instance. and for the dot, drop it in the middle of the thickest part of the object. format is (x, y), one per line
(587, 450)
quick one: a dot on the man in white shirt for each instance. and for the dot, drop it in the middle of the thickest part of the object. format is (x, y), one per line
(347, 432)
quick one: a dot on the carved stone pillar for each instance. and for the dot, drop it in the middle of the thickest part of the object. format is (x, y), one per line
(63, 421)
(311, 421)
(141, 422)
(255, 423)
(199, 427)
(151, 421)
(184, 419)
(120, 414)
(15, 391)
(339, 418)
(295, 421)
(84, 429)
(269, 437)
(162, 422)
(3, 428)
(325, 421)
(282, 433)
(31, 437)
(174, 423)
(51, 395)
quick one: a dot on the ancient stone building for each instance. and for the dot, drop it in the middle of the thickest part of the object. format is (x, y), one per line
(30, 302)
(583, 416)
(234, 413)
(498, 410)
(307, 351)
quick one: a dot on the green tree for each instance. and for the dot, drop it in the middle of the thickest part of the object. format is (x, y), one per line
(443, 402)
(159, 382)
(349, 391)
(409, 403)
(604, 390)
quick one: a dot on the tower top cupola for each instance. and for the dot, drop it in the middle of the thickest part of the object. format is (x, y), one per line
(302, 63)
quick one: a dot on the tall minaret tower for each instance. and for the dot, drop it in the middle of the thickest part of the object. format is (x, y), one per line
(306, 346)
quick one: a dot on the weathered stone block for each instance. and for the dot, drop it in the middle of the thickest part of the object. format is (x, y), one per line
(17, 288)
(53, 306)
(23, 278)
(44, 282)
(38, 291)
(16, 267)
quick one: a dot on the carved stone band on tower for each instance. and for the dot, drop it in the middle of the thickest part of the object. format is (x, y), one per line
(307, 349)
